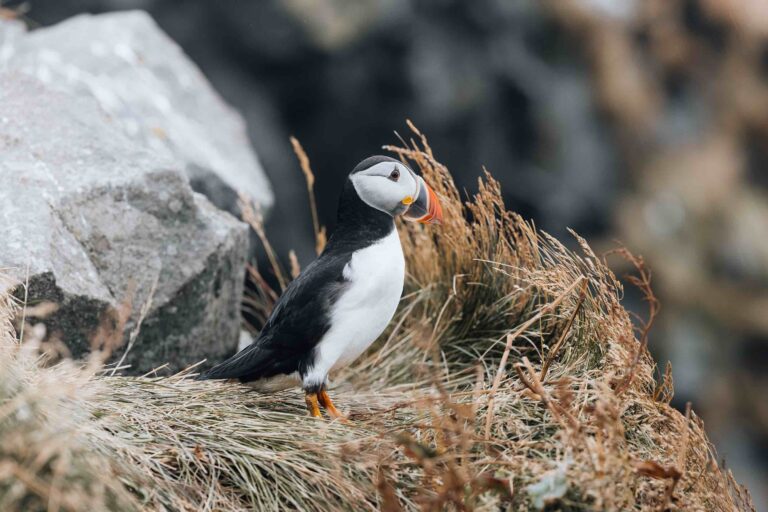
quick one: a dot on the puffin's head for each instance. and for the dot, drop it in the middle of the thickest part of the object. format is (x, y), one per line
(392, 187)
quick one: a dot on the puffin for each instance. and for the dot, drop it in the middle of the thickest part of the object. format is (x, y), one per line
(342, 301)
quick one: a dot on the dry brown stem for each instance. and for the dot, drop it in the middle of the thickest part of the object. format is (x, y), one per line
(309, 177)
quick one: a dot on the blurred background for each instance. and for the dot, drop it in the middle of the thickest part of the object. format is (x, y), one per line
(643, 121)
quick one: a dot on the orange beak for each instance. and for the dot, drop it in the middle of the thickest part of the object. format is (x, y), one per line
(426, 207)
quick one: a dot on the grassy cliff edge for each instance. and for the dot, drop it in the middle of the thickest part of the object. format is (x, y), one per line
(511, 377)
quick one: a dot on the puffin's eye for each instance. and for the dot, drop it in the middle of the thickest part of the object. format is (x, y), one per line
(394, 175)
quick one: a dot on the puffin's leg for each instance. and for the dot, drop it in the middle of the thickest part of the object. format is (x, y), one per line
(326, 402)
(312, 405)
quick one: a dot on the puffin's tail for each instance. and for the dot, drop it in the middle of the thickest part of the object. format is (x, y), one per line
(222, 370)
(245, 365)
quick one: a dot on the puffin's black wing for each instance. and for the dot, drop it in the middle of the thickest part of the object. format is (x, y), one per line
(299, 320)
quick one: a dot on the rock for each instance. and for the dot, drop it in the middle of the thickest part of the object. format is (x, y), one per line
(143, 80)
(95, 219)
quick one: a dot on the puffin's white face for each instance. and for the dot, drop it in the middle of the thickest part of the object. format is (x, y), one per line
(395, 189)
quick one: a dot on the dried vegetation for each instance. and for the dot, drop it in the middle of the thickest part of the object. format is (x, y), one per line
(511, 378)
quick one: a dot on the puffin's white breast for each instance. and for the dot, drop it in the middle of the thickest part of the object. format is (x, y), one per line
(375, 278)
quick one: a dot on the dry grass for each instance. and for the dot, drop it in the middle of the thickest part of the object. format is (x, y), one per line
(510, 377)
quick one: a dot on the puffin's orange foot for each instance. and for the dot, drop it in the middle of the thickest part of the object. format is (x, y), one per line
(312, 405)
(326, 402)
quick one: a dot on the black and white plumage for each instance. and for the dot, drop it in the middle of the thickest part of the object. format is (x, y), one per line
(343, 300)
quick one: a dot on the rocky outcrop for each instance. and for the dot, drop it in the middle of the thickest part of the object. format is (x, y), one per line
(95, 220)
(151, 90)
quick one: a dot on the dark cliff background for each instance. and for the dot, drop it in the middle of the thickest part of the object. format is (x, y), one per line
(639, 121)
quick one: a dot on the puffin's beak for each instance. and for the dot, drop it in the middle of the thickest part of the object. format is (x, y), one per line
(425, 208)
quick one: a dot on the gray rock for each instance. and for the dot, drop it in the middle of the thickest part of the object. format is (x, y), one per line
(143, 80)
(94, 218)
